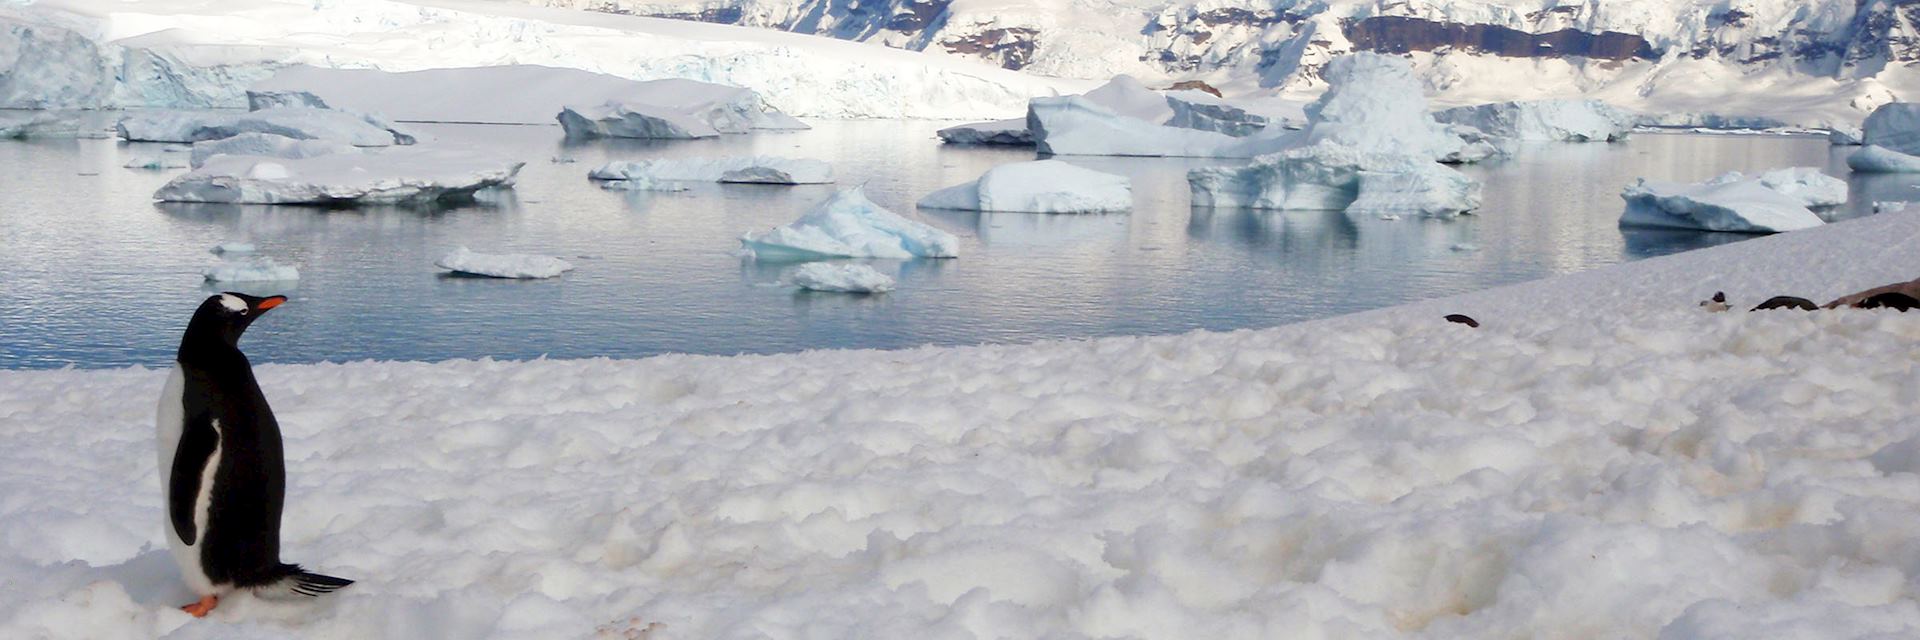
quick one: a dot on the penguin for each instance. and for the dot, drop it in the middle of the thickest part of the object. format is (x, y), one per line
(1458, 318)
(1889, 300)
(221, 465)
(1717, 303)
(1786, 302)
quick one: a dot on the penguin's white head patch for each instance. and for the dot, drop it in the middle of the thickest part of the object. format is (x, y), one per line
(233, 304)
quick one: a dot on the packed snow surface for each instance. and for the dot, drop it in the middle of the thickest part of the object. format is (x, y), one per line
(1333, 177)
(251, 269)
(740, 169)
(266, 145)
(1545, 120)
(1731, 202)
(848, 225)
(502, 265)
(404, 175)
(1636, 468)
(299, 123)
(840, 278)
(1044, 186)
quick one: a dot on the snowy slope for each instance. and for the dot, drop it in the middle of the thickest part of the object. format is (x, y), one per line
(1600, 459)
(92, 53)
(1649, 55)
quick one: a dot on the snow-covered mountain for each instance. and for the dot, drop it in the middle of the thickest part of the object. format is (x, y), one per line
(1685, 55)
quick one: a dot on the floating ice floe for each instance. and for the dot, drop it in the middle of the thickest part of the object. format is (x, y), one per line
(1878, 159)
(842, 278)
(1333, 177)
(300, 123)
(233, 248)
(735, 169)
(1373, 103)
(395, 176)
(1076, 125)
(1731, 202)
(254, 269)
(675, 109)
(266, 145)
(1012, 131)
(159, 162)
(1045, 186)
(1892, 138)
(1545, 120)
(1808, 184)
(505, 265)
(848, 225)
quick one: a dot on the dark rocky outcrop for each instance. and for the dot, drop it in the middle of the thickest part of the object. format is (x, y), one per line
(1393, 34)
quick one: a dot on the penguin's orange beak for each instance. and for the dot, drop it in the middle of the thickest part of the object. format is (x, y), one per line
(271, 302)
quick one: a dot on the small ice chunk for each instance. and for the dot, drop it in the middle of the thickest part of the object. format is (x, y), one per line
(845, 278)
(257, 269)
(848, 225)
(408, 175)
(1731, 202)
(506, 265)
(1045, 186)
(233, 248)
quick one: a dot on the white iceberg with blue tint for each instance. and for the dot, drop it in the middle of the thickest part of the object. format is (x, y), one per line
(1338, 178)
(266, 145)
(848, 225)
(736, 169)
(1808, 184)
(255, 269)
(407, 175)
(1545, 120)
(632, 120)
(841, 278)
(502, 265)
(1892, 138)
(1373, 103)
(1044, 186)
(1077, 125)
(1878, 159)
(1731, 202)
(300, 123)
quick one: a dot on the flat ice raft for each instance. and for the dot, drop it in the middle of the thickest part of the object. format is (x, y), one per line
(1044, 186)
(1773, 202)
(395, 176)
(503, 265)
(848, 225)
(299, 123)
(736, 169)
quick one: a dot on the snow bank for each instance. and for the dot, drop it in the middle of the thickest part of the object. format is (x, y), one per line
(840, 278)
(1731, 202)
(848, 225)
(504, 265)
(300, 123)
(1545, 120)
(254, 269)
(407, 175)
(1333, 177)
(1045, 186)
(1877, 159)
(1628, 469)
(1012, 131)
(733, 169)
(266, 145)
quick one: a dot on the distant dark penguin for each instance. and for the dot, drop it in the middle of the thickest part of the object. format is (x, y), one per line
(221, 464)
(1717, 303)
(1462, 319)
(1786, 302)
(1890, 300)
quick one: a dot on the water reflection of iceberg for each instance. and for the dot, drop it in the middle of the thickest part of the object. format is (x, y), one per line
(1003, 229)
(1286, 230)
(1647, 243)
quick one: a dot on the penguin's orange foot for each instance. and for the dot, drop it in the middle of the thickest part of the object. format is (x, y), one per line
(200, 609)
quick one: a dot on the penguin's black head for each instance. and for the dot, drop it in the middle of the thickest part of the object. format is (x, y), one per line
(223, 317)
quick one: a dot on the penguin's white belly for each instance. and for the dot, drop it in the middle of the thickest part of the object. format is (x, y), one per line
(172, 423)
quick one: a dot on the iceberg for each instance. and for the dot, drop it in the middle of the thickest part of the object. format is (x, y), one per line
(257, 269)
(675, 109)
(629, 120)
(1731, 202)
(848, 225)
(736, 169)
(1845, 136)
(1878, 159)
(1077, 125)
(1894, 126)
(841, 278)
(266, 145)
(1207, 112)
(156, 163)
(1808, 184)
(1373, 103)
(1545, 120)
(505, 265)
(1045, 186)
(300, 123)
(1012, 131)
(410, 176)
(1333, 177)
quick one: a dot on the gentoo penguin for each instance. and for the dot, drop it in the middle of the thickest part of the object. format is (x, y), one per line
(1786, 302)
(1458, 318)
(221, 465)
(1717, 303)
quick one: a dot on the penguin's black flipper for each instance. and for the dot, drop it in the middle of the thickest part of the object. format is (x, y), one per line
(299, 582)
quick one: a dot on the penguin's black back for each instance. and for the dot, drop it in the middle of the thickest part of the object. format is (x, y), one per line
(241, 543)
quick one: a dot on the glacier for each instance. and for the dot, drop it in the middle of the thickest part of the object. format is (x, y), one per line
(1044, 186)
(1730, 202)
(848, 225)
(839, 278)
(404, 175)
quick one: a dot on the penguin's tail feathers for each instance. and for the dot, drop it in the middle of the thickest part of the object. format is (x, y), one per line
(299, 582)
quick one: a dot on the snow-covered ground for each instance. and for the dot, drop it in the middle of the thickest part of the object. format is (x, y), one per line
(1600, 459)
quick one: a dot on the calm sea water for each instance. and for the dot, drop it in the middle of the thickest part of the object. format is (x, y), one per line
(94, 274)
